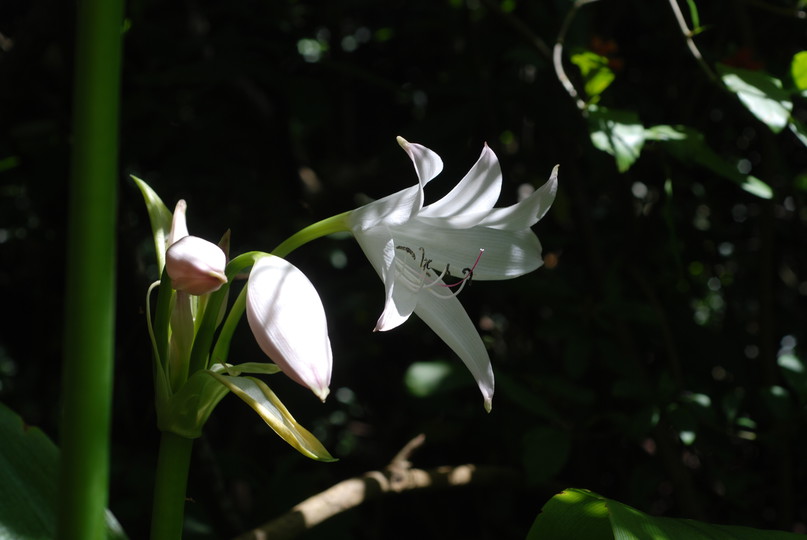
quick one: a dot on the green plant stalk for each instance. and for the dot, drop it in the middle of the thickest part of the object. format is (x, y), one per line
(175, 451)
(333, 224)
(173, 464)
(90, 274)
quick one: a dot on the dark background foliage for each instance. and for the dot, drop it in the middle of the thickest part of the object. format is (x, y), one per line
(641, 362)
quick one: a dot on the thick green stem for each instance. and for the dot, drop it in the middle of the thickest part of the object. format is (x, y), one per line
(173, 463)
(333, 224)
(90, 279)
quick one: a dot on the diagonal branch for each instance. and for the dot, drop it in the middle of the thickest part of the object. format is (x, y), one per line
(397, 477)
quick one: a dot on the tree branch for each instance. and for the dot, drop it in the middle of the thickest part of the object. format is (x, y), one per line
(397, 477)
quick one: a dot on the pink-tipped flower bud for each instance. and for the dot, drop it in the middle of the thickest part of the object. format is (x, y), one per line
(195, 265)
(288, 320)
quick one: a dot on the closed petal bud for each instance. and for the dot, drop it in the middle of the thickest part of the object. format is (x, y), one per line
(195, 265)
(288, 320)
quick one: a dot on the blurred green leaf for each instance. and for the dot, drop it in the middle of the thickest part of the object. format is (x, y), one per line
(688, 145)
(578, 513)
(798, 130)
(798, 70)
(546, 450)
(618, 133)
(29, 476)
(795, 374)
(761, 94)
(424, 379)
(597, 76)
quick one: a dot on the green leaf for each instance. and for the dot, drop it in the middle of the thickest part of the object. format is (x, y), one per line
(761, 94)
(618, 133)
(798, 70)
(546, 450)
(578, 513)
(571, 515)
(424, 379)
(597, 76)
(260, 397)
(798, 130)
(688, 145)
(29, 477)
(160, 217)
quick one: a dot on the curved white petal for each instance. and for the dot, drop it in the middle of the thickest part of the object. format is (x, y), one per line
(448, 319)
(507, 254)
(427, 163)
(179, 224)
(476, 193)
(391, 210)
(526, 213)
(287, 318)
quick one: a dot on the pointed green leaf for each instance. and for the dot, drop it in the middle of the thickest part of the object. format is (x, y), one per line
(618, 133)
(29, 477)
(688, 145)
(761, 94)
(260, 397)
(254, 368)
(160, 217)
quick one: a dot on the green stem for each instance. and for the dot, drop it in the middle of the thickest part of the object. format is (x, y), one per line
(90, 275)
(333, 224)
(173, 463)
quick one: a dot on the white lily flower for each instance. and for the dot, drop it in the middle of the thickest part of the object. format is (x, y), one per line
(426, 255)
(287, 318)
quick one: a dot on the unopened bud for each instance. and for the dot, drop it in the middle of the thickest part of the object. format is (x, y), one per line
(195, 265)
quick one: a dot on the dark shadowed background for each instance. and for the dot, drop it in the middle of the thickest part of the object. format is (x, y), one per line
(654, 358)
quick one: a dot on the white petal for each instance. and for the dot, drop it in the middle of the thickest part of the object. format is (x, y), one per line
(391, 210)
(475, 194)
(286, 316)
(527, 212)
(427, 163)
(507, 254)
(448, 319)
(179, 225)
(400, 300)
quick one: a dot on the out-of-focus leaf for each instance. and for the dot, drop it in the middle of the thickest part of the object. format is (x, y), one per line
(762, 94)
(798, 70)
(794, 373)
(777, 400)
(798, 130)
(597, 76)
(424, 379)
(29, 478)
(578, 513)
(688, 145)
(618, 133)
(546, 450)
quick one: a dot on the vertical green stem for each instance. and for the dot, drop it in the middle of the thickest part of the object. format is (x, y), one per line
(90, 280)
(173, 464)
